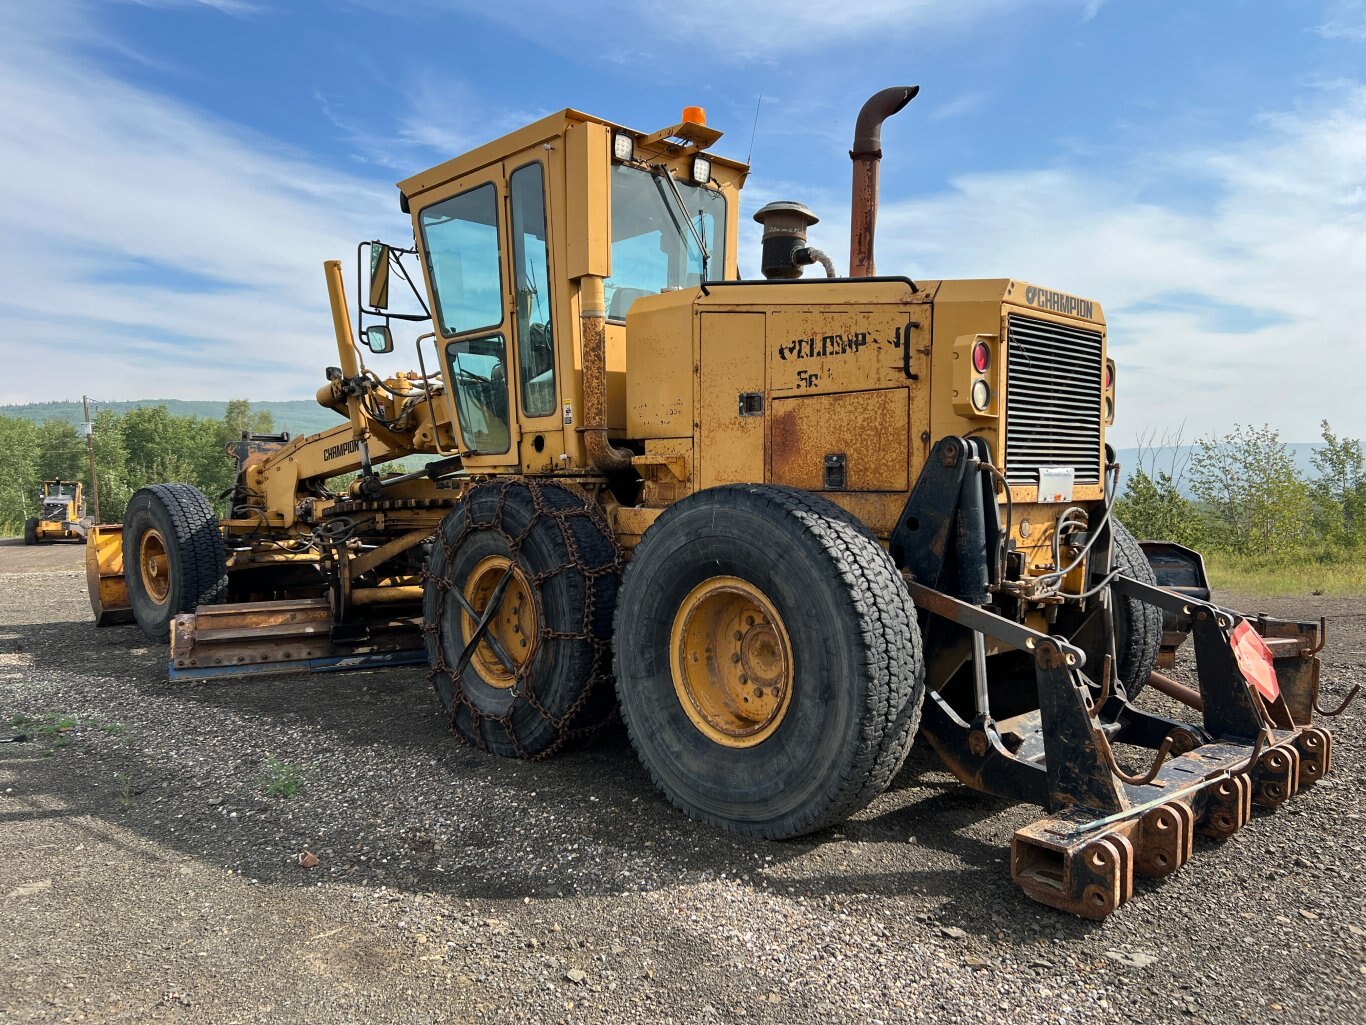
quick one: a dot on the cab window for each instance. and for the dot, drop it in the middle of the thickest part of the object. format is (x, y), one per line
(460, 236)
(479, 371)
(531, 267)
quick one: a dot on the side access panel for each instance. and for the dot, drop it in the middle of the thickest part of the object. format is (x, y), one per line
(730, 399)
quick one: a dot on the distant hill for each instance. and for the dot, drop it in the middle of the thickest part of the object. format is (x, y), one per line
(298, 416)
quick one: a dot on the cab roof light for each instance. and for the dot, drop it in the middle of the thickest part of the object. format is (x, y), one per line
(701, 170)
(623, 147)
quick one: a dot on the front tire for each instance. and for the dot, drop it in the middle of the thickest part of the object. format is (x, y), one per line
(553, 621)
(768, 663)
(31, 532)
(172, 555)
(1138, 625)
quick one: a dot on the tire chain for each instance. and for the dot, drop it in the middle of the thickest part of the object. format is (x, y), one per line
(522, 688)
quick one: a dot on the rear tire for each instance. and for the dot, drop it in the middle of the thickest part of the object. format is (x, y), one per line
(752, 584)
(31, 532)
(172, 555)
(1138, 625)
(554, 620)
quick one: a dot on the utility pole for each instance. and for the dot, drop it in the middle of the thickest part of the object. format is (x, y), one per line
(90, 448)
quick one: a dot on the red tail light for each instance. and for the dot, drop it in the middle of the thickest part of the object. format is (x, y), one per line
(981, 357)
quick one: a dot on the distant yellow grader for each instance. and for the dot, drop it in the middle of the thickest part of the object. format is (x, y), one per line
(61, 516)
(783, 525)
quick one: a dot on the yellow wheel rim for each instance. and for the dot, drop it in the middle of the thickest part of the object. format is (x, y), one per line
(731, 662)
(516, 623)
(154, 566)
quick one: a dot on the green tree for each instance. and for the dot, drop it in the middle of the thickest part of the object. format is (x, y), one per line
(111, 463)
(1254, 497)
(60, 452)
(1153, 508)
(18, 472)
(1154, 505)
(1339, 490)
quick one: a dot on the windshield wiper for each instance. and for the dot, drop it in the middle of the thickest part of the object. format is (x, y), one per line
(663, 170)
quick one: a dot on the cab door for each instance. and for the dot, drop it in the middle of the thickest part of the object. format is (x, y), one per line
(462, 236)
(535, 311)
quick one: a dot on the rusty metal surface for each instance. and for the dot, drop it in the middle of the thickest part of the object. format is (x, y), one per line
(1107, 822)
(1179, 691)
(602, 455)
(271, 637)
(871, 427)
(866, 153)
(1086, 865)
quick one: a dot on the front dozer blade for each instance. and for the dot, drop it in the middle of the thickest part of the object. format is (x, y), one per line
(104, 574)
(271, 638)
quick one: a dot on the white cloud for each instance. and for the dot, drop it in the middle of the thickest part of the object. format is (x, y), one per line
(235, 7)
(151, 250)
(1344, 19)
(438, 118)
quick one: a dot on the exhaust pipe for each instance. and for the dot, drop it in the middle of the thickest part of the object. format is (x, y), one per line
(602, 454)
(866, 154)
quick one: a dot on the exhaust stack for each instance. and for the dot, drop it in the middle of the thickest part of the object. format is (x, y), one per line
(866, 154)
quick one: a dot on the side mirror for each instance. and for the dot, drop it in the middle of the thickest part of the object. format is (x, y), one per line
(379, 276)
(378, 339)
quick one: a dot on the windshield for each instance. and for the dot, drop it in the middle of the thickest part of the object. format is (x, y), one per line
(653, 249)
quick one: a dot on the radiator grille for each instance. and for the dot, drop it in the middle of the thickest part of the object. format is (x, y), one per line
(1054, 378)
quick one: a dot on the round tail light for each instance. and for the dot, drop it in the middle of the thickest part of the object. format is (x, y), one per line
(981, 394)
(981, 357)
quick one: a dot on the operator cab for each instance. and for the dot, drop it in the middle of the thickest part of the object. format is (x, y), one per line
(505, 237)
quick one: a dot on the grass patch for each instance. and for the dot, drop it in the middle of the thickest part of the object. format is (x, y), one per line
(51, 724)
(125, 782)
(282, 779)
(114, 729)
(1334, 574)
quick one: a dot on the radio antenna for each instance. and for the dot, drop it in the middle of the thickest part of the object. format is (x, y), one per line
(754, 129)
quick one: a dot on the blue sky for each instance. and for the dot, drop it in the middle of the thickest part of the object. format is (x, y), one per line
(175, 171)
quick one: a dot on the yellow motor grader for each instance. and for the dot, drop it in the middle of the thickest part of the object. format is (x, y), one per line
(783, 525)
(61, 516)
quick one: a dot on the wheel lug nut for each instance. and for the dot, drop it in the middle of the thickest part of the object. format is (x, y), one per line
(735, 657)
(739, 635)
(758, 692)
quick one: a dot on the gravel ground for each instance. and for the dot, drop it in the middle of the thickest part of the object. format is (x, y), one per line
(147, 876)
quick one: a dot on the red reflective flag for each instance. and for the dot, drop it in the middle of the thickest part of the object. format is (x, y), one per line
(1254, 659)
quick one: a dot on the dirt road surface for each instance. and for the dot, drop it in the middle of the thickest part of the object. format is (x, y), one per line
(146, 875)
